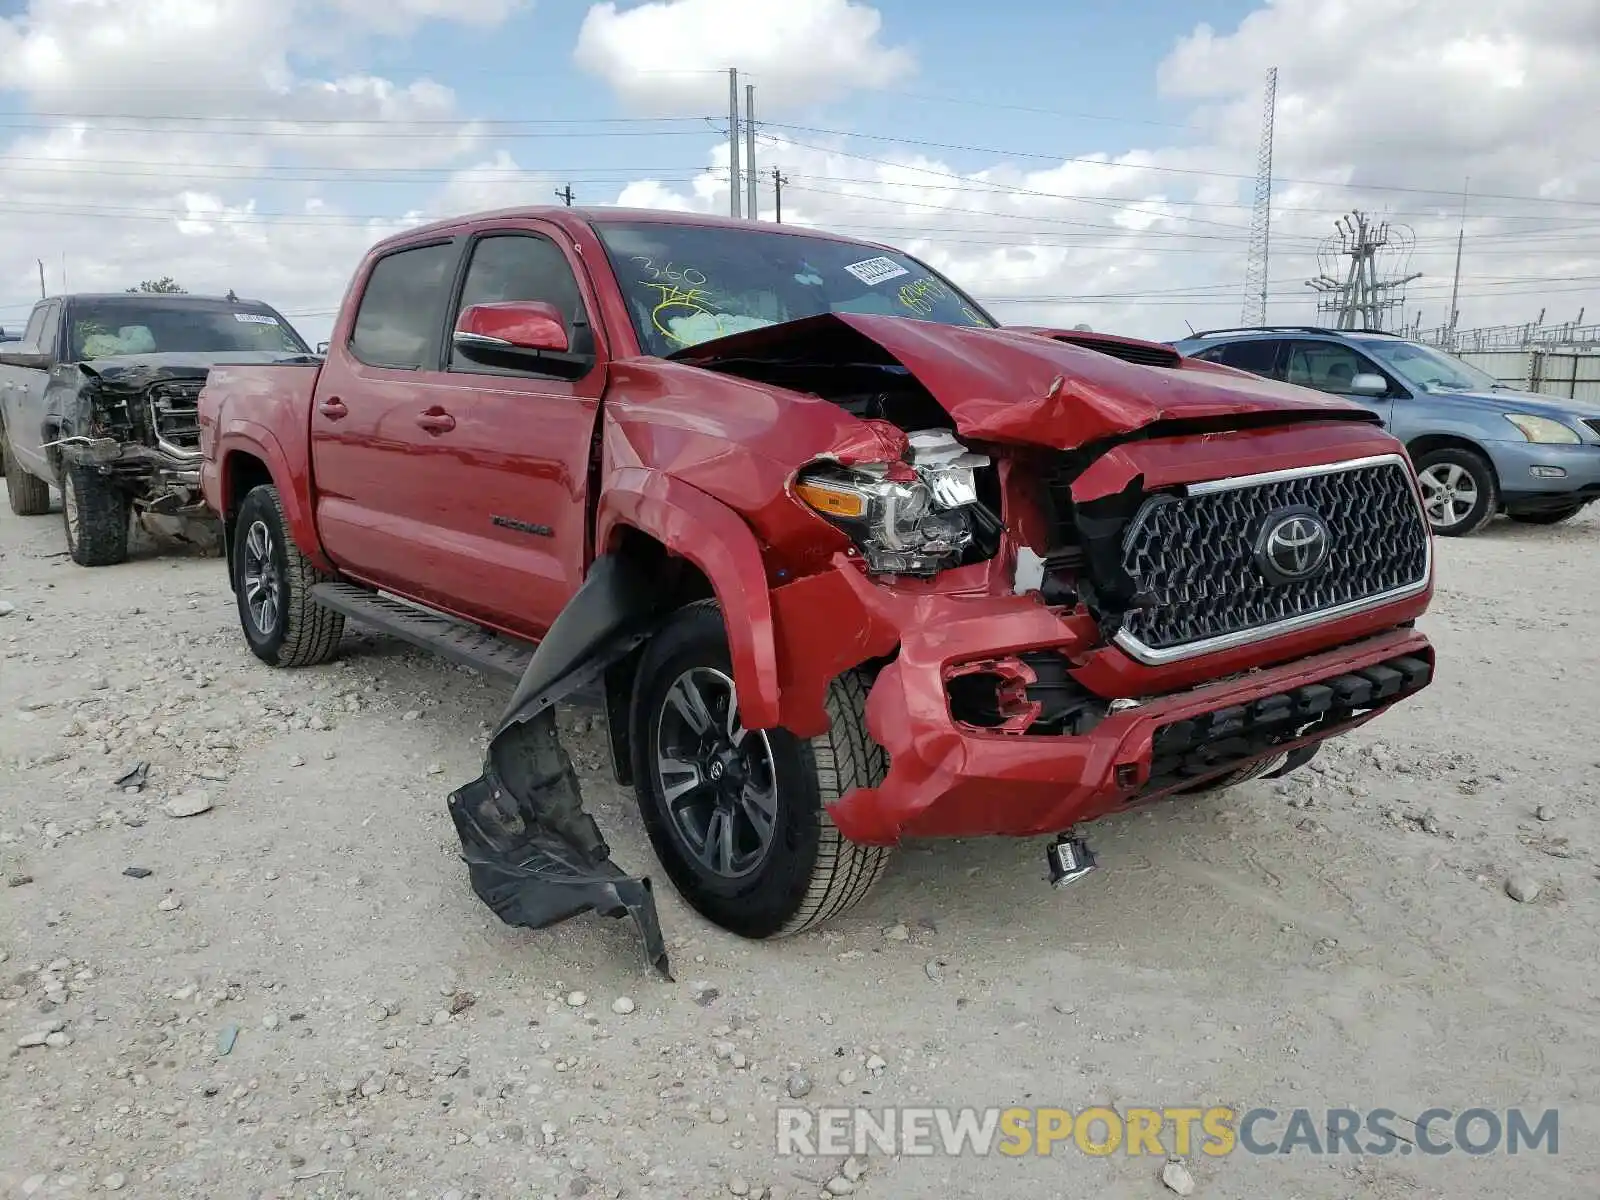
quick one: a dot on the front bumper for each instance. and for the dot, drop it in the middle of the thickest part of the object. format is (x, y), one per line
(1531, 473)
(948, 781)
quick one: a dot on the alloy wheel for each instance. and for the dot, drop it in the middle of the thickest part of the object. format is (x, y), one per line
(263, 590)
(1449, 493)
(717, 780)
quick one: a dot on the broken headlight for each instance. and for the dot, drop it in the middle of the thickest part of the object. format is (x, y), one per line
(915, 518)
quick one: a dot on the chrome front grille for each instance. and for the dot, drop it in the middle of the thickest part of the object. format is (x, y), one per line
(175, 414)
(1206, 579)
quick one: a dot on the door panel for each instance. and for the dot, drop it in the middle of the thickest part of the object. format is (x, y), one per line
(364, 442)
(23, 383)
(516, 461)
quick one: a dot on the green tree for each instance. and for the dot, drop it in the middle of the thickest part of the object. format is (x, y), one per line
(165, 285)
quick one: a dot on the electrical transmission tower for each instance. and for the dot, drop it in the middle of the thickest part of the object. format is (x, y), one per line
(1362, 298)
(1255, 265)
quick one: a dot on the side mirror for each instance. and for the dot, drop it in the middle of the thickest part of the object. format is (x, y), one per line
(1369, 385)
(323, 347)
(511, 325)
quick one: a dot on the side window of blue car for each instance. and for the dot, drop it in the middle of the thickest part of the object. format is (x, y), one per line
(1326, 366)
(1259, 356)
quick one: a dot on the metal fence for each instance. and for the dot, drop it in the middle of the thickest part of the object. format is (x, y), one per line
(1574, 374)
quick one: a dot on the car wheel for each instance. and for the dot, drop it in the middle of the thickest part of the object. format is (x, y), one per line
(737, 817)
(272, 582)
(1459, 492)
(29, 495)
(94, 512)
(1549, 516)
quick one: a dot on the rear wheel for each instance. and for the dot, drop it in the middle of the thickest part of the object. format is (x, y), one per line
(94, 512)
(736, 816)
(1549, 516)
(272, 581)
(29, 495)
(1459, 491)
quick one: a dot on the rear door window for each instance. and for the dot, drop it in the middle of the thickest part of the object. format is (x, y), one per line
(1259, 356)
(402, 308)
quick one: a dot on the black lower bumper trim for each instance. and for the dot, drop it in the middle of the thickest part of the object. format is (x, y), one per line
(1231, 737)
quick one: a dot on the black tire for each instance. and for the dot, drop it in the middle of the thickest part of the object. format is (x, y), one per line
(1446, 461)
(94, 513)
(29, 495)
(808, 873)
(1549, 516)
(295, 631)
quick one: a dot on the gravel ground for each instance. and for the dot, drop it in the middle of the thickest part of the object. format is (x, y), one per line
(295, 993)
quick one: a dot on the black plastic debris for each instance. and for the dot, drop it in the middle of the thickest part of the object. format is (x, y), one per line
(533, 854)
(137, 872)
(135, 778)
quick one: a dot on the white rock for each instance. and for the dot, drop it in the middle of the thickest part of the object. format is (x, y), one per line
(32, 1184)
(738, 1186)
(57, 1040)
(840, 1186)
(114, 1182)
(876, 1064)
(188, 804)
(853, 1168)
(897, 933)
(170, 904)
(577, 999)
(1176, 1176)
(7, 608)
(718, 1116)
(1523, 888)
(622, 1006)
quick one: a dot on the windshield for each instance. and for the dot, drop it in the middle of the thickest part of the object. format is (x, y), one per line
(686, 284)
(106, 328)
(1429, 369)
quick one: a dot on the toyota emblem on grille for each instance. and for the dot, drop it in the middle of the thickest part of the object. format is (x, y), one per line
(1294, 545)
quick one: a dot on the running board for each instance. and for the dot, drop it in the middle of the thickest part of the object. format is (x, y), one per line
(456, 640)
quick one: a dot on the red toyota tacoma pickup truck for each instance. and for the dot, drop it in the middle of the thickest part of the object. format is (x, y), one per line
(847, 561)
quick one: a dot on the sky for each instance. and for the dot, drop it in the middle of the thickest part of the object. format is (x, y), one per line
(1065, 164)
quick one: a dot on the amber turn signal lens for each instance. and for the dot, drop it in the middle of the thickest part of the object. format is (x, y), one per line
(831, 502)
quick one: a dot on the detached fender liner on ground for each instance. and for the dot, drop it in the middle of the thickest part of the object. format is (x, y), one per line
(534, 855)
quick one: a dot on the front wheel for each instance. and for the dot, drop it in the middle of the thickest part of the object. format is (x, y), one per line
(95, 513)
(737, 816)
(272, 581)
(1549, 516)
(1459, 491)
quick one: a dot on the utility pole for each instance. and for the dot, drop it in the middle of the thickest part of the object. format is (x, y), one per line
(752, 204)
(41, 279)
(1361, 299)
(1461, 236)
(1258, 255)
(565, 194)
(777, 194)
(735, 179)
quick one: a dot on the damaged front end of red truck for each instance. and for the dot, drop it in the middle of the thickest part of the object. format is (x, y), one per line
(1072, 578)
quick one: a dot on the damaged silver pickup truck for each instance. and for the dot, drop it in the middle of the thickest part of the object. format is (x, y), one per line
(98, 397)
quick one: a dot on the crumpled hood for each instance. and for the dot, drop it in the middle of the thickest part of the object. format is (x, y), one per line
(136, 370)
(1009, 386)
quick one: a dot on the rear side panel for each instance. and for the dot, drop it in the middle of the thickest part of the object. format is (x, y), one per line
(261, 413)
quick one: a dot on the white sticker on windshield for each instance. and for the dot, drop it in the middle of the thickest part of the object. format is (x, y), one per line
(877, 270)
(255, 319)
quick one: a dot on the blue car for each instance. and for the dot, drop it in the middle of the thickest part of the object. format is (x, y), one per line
(1479, 447)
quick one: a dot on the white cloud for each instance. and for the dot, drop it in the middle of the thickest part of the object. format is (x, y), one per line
(662, 56)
